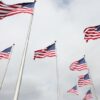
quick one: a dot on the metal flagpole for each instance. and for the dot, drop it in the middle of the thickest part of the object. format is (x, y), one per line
(23, 61)
(6, 68)
(92, 84)
(57, 75)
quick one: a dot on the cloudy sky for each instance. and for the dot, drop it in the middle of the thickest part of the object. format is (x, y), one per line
(60, 20)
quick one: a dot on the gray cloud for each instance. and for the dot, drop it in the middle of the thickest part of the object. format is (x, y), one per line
(62, 3)
(30, 92)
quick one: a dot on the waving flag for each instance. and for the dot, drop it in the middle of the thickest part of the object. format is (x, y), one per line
(79, 65)
(9, 10)
(92, 33)
(88, 95)
(73, 90)
(84, 80)
(47, 52)
(5, 54)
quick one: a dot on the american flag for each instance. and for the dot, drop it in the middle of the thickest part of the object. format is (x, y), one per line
(88, 95)
(92, 33)
(47, 52)
(9, 10)
(73, 90)
(84, 80)
(79, 65)
(5, 54)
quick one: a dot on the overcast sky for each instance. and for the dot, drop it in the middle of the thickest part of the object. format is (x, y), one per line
(60, 20)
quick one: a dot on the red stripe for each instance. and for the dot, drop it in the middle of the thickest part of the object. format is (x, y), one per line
(43, 53)
(91, 33)
(4, 55)
(78, 67)
(82, 82)
(8, 10)
(88, 97)
(73, 91)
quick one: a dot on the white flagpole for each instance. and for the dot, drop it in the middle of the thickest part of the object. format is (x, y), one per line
(57, 75)
(23, 61)
(6, 68)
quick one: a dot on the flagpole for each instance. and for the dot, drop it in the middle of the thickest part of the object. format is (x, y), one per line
(23, 61)
(92, 84)
(6, 68)
(57, 75)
